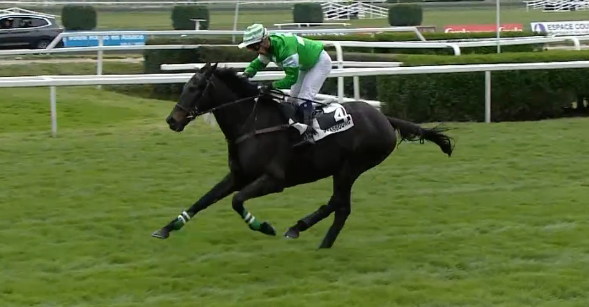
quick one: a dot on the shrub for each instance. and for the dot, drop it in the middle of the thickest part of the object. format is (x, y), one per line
(402, 15)
(307, 13)
(77, 17)
(181, 15)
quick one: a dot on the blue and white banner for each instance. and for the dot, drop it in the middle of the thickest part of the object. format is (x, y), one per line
(561, 27)
(108, 40)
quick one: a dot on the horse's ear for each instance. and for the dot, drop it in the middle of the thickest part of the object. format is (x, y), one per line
(211, 69)
(215, 66)
(204, 68)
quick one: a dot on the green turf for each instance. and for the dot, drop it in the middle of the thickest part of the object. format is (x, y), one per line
(501, 223)
(432, 16)
(88, 68)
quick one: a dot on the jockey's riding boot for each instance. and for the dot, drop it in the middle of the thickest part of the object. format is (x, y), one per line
(307, 108)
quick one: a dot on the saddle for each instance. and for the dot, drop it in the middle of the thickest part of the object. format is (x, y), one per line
(328, 118)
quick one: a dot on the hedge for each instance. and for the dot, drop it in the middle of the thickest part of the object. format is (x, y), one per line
(516, 95)
(182, 14)
(404, 15)
(76, 17)
(307, 13)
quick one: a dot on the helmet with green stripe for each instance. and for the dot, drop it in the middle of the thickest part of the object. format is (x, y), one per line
(253, 34)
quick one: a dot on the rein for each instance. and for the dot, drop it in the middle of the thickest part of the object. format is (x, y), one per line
(194, 113)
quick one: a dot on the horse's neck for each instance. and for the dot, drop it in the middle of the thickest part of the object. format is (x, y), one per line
(241, 118)
(232, 119)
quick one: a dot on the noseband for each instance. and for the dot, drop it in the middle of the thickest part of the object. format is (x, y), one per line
(194, 113)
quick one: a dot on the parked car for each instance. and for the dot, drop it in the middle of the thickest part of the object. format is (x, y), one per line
(22, 31)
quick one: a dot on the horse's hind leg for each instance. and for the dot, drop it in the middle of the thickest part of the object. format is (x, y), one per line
(342, 195)
(311, 219)
(262, 186)
(340, 203)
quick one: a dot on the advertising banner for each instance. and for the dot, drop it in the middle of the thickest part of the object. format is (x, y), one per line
(561, 27)
(506, 27)
(109, 40)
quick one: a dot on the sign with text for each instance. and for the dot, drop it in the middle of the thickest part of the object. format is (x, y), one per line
(109, 40)
(561, 27)
(506, 27)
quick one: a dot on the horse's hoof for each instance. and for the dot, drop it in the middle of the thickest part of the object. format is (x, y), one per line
(267, 229)
(291, 234)
(161, 234)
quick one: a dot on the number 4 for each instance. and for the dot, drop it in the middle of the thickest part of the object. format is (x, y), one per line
(339, 115)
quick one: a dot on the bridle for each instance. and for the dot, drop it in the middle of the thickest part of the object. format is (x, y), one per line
(195, 112)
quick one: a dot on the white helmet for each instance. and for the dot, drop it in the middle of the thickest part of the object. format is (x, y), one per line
(253, 34)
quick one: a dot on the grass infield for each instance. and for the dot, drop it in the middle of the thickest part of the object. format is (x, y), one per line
(501, 223)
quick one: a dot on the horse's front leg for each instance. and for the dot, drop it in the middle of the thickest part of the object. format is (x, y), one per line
(221, 190)
(264, 185)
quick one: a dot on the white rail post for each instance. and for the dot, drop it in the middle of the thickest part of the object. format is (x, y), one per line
(497, 24)
(356, 87)
(235, 16)
(487, 96)
(340, 65)
(53, 104)
(99, 58)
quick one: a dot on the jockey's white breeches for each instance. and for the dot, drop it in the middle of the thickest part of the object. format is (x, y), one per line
(310, 82)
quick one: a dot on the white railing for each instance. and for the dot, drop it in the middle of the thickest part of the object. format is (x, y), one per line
(556, 5)
(193, 66)
(360, 44)
(85, 80)
(456, 46)
(337, 44)
(576, 40)
(337, 11)
(309, 24)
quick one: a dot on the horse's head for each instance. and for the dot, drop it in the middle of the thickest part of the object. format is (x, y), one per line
(197, 98)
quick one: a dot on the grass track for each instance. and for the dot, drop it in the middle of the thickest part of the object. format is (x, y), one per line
(501, 223)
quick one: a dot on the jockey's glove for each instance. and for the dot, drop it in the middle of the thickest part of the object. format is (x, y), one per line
(246, 75)
(265, 88)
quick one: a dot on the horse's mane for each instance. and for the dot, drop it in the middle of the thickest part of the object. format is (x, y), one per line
(241, 85)
(236, 82)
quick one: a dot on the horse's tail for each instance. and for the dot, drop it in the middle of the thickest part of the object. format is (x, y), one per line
(413, 132)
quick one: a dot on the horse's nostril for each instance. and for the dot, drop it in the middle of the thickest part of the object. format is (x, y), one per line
(170, 120)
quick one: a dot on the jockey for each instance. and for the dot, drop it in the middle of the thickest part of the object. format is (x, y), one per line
(304, 61)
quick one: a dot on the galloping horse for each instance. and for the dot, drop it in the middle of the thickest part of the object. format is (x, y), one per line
(263, 159)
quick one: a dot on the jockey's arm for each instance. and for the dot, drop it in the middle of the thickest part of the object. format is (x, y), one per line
(256, 65)
(290, 65)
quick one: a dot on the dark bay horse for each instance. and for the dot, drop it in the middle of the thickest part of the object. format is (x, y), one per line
(263, 159)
